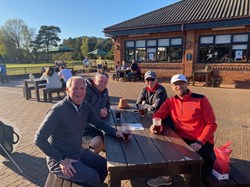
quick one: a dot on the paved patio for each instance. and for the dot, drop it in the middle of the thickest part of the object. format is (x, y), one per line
(231, 107)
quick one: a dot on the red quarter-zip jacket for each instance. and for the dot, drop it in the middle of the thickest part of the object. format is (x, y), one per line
(192, 116)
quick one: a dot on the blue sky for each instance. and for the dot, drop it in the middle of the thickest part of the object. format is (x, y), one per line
(77, 17)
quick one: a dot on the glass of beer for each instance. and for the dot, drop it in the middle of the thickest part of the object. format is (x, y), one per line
(126, 131)
(142, 110)
(118, 115)
(157, 125)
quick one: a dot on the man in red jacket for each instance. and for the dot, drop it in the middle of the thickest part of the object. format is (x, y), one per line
(194, 122)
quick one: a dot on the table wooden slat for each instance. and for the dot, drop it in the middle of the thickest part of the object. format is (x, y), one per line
(185, 150)
(148, 154)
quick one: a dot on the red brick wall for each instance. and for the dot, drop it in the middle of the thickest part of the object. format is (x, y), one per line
(230, 72)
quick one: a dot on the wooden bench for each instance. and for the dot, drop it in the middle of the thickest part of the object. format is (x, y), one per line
(216, 81)
(50, 91)
(27, 91)
(236, 178)
(136, 77)
(189, 77)
(54, 181)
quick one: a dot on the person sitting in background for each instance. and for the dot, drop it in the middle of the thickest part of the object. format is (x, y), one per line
(152, 94)
(117, 66)
(98, 97)
(134, 70)
(124, 70)
(52, 78)
(64, 75)
(194, 121)
(42, 71)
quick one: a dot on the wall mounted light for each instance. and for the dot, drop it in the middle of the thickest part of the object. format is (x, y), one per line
(189, 44)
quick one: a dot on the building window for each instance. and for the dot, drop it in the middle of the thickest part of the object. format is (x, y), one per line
(155, 50)
(151, 43)
(140, 54)
(151, 54)
(129, 55)
(224, 48)
(130, 44)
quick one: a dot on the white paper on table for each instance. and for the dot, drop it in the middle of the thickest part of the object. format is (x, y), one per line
(136, 126)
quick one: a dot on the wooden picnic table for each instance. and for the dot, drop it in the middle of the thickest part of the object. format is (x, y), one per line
(147, 154)
(35, 84)
(124, 73)
(207, 73)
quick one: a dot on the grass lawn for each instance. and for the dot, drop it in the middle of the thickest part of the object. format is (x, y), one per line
(17, 69)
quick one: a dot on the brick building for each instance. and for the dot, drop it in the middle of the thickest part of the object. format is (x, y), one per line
(187, 36)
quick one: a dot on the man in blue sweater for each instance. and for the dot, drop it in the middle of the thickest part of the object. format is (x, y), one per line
(60, 138)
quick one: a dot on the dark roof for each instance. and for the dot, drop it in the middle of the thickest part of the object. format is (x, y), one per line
(187, 12)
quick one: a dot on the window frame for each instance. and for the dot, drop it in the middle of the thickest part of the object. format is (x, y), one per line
(155, 56)
(216, 54)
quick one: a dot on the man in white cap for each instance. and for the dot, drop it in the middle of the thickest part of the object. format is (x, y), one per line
(152, 94)
(194, 121)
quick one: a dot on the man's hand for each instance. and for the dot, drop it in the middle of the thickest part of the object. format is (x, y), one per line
(143, 102)
(196, 146)
(152, 129)
(151, 109)
(103, 113)
(67, 168)
(120, 135)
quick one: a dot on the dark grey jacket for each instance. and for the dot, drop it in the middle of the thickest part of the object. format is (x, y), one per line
(152, 98)
(96, 99)
(62, 128)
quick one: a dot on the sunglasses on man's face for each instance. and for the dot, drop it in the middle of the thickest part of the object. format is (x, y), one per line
(150, 79)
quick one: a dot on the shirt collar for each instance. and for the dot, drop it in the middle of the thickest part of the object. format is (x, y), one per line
(154, 89)
(76, 107)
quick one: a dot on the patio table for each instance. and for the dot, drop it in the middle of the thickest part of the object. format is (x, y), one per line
(148, 154)
(37, 84)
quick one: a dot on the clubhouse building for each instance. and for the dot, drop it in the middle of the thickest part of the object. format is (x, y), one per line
(188, 36)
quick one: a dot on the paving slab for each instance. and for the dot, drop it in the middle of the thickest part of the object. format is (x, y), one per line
(231, 107)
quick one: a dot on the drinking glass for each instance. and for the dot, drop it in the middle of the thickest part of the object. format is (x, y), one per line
(126, 131)
(157, 125)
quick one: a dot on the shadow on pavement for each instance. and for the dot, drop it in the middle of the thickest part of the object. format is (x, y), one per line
(33, 167)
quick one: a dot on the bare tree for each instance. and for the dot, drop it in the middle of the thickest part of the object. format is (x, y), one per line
(17, 37)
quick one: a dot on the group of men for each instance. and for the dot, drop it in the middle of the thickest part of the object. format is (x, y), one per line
(71, 135)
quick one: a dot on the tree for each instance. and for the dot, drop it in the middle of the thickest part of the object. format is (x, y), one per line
(85, 46)
(46, 38)
(17, 37)
(3, 50)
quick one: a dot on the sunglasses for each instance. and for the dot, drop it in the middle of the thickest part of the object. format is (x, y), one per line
(150, 79)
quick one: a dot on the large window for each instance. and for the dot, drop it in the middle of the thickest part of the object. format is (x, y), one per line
(224, 48)
(154, 50)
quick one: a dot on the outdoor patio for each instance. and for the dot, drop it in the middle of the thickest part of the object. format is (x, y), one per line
(231, 107)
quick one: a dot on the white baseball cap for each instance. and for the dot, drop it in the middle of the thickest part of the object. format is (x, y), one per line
(178, 77)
